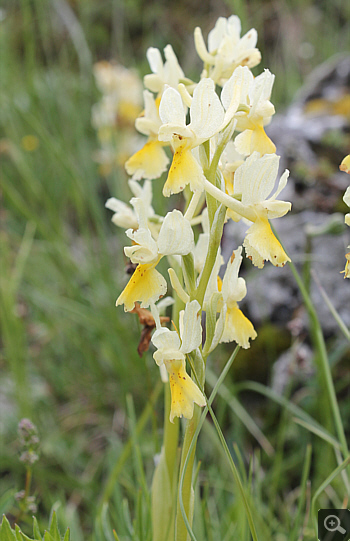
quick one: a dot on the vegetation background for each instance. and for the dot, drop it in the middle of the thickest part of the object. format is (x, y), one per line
(68, 357)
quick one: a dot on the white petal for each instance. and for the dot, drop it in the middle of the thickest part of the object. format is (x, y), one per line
(155, 60)
(153, 82)
(124, 215)
(175, 235)
(172, 69)
(165, 339)
(191, 328)
(235, 91)
(206, 111)
(233, 288)
(346, 197)
(171, 109)
(144, 250)
(256, 177)
(217, 34)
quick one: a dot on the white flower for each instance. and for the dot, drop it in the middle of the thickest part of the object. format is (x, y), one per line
(236, 327)
(253, 183)
(346, 200)
(175, 236)
(171, 350)
(168, 73)
(206, 115)
(226, 49)
(147, 285)
(151, 160)
(124, 215)
(247, 99)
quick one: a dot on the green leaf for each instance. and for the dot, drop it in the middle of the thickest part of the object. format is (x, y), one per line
(54, 531)
(48, 536)
(18, 533)
(67, 535)
(115, 536)
(162, 502)
(6, 533)
(36, 530)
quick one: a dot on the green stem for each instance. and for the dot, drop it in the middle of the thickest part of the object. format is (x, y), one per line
(171, 436)
(188, 456)
(214, 243)
(187, 495)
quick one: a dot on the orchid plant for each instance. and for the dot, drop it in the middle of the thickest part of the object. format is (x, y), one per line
(212, 133)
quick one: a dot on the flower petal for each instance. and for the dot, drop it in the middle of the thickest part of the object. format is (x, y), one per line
(176, 235)
(238, 328)
(207, 113)
(255, 140)
(184, 392)
(261, 244)
(190, 327)
(149, 162)
(171, 108)
(184, 170)
(146, 285)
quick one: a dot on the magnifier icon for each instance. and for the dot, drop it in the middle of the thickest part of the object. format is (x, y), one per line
(332, 524)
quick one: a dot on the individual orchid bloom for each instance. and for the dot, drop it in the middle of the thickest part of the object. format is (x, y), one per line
(151, 160)
(346, 200)
(345, 166)
(125, 216)
(247, 99)
(167, 73)
(122, 93)
(253, 183)
(226, 49)
(171, 351)
(147, 285)
(237, 326)
(206, 115)
(346, 271)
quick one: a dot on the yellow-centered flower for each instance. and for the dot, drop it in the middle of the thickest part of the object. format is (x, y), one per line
(147, 285)
(226, 49)
(171, 350)
(151, 160)
(247, 99)
(206, 114)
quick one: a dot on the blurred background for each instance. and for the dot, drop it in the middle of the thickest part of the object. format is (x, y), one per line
(68, 357)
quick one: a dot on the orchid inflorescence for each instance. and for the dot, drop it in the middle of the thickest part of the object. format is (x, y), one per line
(225, 165)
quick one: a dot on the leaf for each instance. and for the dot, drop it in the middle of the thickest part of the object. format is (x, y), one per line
(54, 531)
(48, 536)
(18, 533)
(162, 501)
(6, 533)
(67, 535)
(20, 536)
(36, 530)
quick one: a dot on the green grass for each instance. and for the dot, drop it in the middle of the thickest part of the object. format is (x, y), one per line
(68, 357)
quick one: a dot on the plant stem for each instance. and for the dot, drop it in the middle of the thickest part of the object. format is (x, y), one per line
(187, 494)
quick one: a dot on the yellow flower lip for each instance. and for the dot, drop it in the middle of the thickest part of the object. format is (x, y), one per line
(146, 285)
(149, 162)
(184, 392)
(345, 165)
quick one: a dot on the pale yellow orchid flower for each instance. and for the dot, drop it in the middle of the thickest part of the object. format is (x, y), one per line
(151, 160)
(226, 49)
(247, 99)
(171, 351)
(147, 285)
(206, 114)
